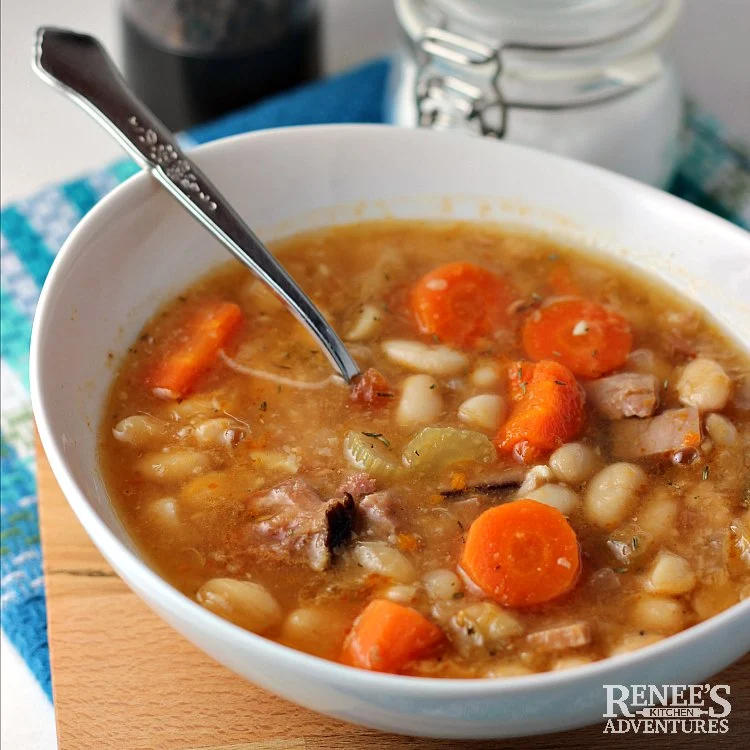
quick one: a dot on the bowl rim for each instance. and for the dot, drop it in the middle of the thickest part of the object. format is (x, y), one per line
(202, 619)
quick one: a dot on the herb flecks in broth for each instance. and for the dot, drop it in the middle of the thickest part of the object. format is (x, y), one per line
(544, 463)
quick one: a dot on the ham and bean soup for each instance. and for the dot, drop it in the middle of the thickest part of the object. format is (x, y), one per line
(545, 463)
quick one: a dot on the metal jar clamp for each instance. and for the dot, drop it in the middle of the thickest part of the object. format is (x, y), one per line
(445, 98)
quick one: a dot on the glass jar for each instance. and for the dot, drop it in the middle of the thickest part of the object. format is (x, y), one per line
(589, 79)
(192, 60)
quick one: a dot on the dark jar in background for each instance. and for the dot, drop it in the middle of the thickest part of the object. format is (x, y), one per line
(192, 60)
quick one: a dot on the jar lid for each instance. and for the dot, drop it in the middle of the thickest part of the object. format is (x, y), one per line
(550, 21)
(583, 32)
(480, 66)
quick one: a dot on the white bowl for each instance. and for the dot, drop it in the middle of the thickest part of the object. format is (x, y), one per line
(136, 248)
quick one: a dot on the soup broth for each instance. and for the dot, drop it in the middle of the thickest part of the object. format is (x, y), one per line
(544, 464)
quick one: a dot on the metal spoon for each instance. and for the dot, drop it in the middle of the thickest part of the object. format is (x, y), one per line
(78, 65)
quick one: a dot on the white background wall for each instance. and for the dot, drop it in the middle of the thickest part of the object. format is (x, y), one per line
(45, 139)
(713, 54)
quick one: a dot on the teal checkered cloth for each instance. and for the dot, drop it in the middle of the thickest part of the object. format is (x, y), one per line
(713, 173)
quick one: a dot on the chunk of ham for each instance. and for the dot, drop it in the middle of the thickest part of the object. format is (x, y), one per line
(575, 635)
(627, 394)
(357, 485)
(372, 389)
(377, 515)
(291, 522)
(679, 332)
(671, 431)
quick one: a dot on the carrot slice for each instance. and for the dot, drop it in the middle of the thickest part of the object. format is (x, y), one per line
(520, 374)
(588, 339)
(372, 389)
(387, 636)
(461, 303)
(548, 410)
(199, 341)
(522, 553)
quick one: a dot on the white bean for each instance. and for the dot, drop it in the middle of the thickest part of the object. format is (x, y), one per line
(611, 494)
(495, 623)
(139, 430)
(704, 385)
(174, 466)
(659, 516)
(421, 401)
(571, 662)
(244, 603)
(671, 574)
(483, 625)
(218, 432)
(486, 411)
(260, 298)
(574, 462)
(535, 477)
(658, 613)
(442, 584)
(556, 496)
(721, 430)
(401, 593)
(419, 357)
(381, 558)
(367, 324)
(486, 375)
(285, 463)
(163, 512)
(707, 445)
(317, 630)
(187, 409)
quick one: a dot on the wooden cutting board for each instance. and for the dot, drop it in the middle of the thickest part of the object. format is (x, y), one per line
(124, 679)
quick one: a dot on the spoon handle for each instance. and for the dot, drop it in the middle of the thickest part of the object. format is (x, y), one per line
(79, 66)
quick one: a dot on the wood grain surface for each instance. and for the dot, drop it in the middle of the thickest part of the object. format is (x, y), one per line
(123, 679)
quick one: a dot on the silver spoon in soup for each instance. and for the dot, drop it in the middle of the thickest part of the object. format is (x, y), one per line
(78, 65)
